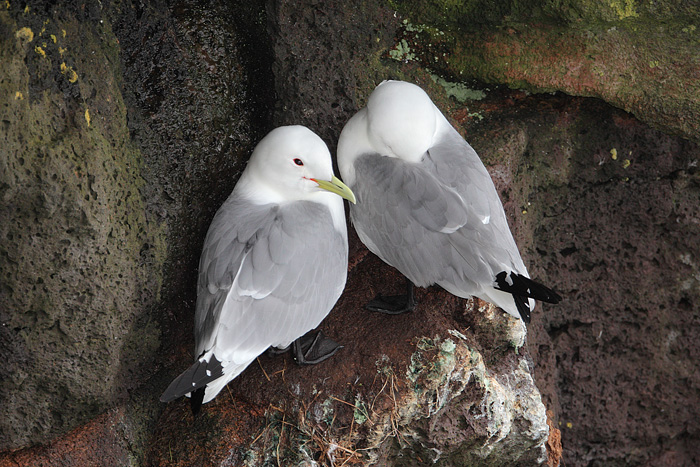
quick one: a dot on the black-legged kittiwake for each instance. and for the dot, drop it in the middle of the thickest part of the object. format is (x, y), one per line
(273, 265)
(427, 206)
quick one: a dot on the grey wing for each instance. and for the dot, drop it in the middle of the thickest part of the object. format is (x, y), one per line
(229, 239)
(456, 163)
(404, 214)
(271, 284)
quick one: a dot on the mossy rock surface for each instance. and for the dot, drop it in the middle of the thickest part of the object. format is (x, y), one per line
(81, 264)
(123, 128)
(639, 56)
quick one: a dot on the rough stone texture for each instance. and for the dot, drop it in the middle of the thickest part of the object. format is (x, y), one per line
(618, 233)
(79, 260)
(639, 56)
(178, 92)
(107, 440)
(105, 205)
(196, 86)
(321, 93)
(459, 412)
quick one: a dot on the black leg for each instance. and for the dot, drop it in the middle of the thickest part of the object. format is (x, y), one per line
(394, 304)
(314, 348)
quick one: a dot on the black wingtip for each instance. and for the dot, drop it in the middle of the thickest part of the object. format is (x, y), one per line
(517, 284)
(195, 377)
(523, 306)
(196, 399)
(523, 288)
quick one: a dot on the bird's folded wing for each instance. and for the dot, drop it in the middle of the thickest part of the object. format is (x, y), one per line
(458, 166)
(406, 190)
(456, 163)
(267, 280)
(405, 216)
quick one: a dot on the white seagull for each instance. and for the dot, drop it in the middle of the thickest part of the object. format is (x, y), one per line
(273, 265)
(427, 206)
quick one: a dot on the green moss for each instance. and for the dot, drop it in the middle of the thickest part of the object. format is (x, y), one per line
(327, 410)
(402, 52)
(447, 348)
(461, 92)
(72, 179)
(431, 364)
(360, 413)
(624, 8)
(619, 50)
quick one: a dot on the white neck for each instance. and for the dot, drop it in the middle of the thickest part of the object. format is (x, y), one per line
(353, 143)
(259, 192)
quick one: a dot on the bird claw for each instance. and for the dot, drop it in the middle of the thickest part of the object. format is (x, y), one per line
(314, 348)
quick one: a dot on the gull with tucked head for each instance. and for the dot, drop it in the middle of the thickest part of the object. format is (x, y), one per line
(427, 206)
(273, 265)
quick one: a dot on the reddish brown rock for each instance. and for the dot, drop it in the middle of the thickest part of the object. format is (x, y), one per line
(615, 231)
(611, 207)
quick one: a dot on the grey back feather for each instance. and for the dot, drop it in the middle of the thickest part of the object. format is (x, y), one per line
(268, 281)
(440, 221)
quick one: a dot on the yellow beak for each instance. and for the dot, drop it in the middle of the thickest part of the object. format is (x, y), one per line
(337, 187)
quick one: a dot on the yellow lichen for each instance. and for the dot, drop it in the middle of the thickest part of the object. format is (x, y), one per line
(19, 96)
(87, 116)
(53, 38)
(626, 163)
(69, 72)
(569, 425)
(43, 28)
(624, 8)
(613, 154)
(61, 50)
(7, 4)
(40, 51)
(26, 9)
(25, 34)
(63, 33)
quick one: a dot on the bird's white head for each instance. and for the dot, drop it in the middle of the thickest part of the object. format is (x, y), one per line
(291, 163)
(401, 120)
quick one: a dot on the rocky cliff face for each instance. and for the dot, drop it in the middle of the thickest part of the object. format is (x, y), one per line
(107, 138)
(615, 204)
(125, 125)
(81, 257)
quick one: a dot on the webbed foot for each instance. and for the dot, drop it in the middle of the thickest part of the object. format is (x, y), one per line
(311, 348)
(394, 304)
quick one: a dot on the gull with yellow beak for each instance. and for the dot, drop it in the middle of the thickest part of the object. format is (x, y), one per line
(273, 265)
(427, 206)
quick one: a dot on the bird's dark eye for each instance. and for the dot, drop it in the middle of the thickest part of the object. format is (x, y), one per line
(298, 162)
